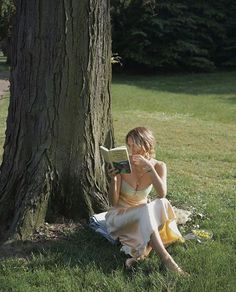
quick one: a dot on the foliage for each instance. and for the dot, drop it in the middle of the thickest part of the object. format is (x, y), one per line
(7, 10)
(182, 35)
(226, 50)
(166, 35)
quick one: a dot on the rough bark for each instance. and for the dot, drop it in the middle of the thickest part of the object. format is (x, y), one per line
(59, 114)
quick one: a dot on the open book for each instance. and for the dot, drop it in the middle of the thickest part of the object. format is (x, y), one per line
(118, 157)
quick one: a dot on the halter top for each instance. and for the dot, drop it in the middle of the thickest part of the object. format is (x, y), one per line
(132, 197)
(130, 191)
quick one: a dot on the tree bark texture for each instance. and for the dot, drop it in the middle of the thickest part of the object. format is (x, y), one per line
(59, 114)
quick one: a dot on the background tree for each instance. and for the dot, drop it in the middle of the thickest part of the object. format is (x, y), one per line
(59, 114)
(7, 10)
(175, 35)
(226, 49)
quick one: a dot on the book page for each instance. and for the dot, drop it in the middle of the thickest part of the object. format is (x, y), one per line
(105, 154)
(119, 154)
(120, 159)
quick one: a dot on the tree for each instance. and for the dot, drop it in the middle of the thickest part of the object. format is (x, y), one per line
(59, 114)
(174, 35)
(225, 53)
(7, 10)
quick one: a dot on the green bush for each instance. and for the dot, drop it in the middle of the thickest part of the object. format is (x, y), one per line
(182, 35)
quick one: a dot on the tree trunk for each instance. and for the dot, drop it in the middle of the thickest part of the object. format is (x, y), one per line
(59, 114)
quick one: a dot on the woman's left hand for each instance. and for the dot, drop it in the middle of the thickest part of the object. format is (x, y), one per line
(140, 160)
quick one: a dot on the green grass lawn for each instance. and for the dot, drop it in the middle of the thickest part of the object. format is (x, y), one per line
(3, 65)
(3, 103)
(193, 117)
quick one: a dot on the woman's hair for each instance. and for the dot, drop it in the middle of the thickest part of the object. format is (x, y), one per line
(143, 138)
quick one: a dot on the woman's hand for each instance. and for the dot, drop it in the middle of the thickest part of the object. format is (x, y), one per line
(114, 186)
(112, 173)
(140, 160)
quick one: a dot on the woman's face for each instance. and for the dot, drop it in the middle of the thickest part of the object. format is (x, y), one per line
(133, 149)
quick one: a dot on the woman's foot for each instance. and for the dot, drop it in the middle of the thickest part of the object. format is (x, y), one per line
(171, 265)
(130, 263)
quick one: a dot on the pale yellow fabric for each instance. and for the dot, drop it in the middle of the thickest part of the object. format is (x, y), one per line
(130, 191)
(134, 220)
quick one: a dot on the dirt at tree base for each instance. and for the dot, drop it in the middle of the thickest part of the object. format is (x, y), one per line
(44, 237)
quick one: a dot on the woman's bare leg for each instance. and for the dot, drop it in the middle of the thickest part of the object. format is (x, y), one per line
(157, 244)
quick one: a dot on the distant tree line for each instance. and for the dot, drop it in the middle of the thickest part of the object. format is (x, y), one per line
(167, 35)
(172, 35)
(7, 10)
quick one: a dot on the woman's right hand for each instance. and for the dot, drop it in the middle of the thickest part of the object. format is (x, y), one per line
(114, 186)
(112, 172)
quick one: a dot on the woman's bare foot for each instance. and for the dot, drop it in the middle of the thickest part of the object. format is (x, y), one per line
(171, 265)
(130, 262)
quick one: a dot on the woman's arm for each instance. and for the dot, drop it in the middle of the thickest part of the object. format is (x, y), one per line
(114, 189)
(158, 174)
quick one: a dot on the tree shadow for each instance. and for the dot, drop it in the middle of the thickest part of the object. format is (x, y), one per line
(231, 99)
(82, 247)
(4, 75)
(192, 83)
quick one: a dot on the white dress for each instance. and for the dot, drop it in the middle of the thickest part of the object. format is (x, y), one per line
(133, 220)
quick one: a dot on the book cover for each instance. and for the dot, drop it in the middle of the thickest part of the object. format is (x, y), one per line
(118, 157)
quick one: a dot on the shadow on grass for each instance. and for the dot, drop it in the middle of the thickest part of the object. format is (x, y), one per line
(4, 75)
(82, 248)
(195, 84)
(4, 68)
(231, 99)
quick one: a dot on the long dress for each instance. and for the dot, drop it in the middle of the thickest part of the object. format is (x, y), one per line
(133, 220)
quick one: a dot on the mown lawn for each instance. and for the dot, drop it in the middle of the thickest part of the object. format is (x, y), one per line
(3, 65)
(193, 117)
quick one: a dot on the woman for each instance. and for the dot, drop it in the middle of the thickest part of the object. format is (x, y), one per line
(139, 225)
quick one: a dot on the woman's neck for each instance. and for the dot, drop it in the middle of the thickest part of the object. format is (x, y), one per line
(138, 169)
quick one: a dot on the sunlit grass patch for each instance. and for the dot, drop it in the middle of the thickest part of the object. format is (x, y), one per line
(3, 115)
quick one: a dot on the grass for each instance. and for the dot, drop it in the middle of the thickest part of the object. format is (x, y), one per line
(205, 96)
(3, 103)
(193, 119)
(3, 116)
(3, 65)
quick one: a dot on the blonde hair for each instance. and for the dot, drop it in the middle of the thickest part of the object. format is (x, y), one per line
(143, 138)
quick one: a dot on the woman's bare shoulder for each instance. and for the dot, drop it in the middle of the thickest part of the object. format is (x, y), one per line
(158, 164)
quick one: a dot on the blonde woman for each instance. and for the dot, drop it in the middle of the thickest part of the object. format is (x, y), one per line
(141, 225)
